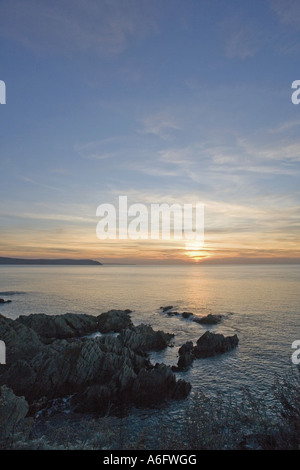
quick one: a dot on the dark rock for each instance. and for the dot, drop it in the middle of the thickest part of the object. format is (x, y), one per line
(98, 372)
(21, 342)
(209, 319)
(13, 410)
(73, 325)
(186, 348)
(144, 338)
(211, 344)
(69, 325)
(187, 314)
(186, 356)
(182, 389)
(154, 385)
(170, 312)
(96, 399)
(185, 361)
(2, 301)
(165, 309)
(114, 321)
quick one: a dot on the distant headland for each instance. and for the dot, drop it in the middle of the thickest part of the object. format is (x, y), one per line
(55, 262)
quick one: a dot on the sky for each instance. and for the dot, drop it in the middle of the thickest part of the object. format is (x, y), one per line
(164, 101)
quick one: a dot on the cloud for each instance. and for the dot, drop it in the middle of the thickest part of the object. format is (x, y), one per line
(161, 125)
(286, 126)
(66, 26)
(288, 11)
(38, 183)
(242, 40)
(94, 150)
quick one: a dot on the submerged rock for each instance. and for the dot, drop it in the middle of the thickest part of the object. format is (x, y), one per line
(165, 309)
(187, 314)
(170, 312)
(2, 301)
(208, 319)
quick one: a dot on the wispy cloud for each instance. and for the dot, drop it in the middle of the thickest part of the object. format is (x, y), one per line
(288, 11)
(161, 125)
(242, 39)
(64, 26)
(94, 150)
(39, 183)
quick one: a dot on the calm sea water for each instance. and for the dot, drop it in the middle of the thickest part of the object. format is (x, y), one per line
(259, 303)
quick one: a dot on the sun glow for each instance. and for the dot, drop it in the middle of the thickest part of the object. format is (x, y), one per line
(194, 250)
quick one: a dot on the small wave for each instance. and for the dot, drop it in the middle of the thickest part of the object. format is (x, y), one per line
(13, 292)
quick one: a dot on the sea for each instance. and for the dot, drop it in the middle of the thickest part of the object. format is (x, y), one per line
(259, 303)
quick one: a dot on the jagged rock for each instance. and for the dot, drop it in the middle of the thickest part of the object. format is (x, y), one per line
(72, 325)
(114, 321)
(186, 348)
(98, 372)
(154, 385)
(21, 341)
(185, 361)
(208, 319)
(182, 389)
(186, 356)
(144, 338)
(211, 344)
(13, 410)
(69, 325)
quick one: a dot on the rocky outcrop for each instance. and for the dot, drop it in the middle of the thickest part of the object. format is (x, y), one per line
(69, 325)
(209, 319)
(186, 355)
(209, 344)
(146, 387)
(13, 410)
(144, 338)
(21, 341)
(98, 371)
(114, 320)
(2, 301)
(72, 325)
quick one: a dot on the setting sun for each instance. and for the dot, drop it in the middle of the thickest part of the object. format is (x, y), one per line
(194, 250)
